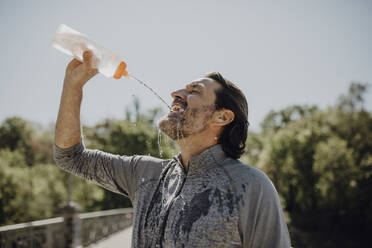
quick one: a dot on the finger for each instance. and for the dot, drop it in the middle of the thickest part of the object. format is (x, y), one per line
(92, 72)
(87, 58)
(72, 65)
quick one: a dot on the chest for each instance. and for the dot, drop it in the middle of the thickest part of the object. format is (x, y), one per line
(192, 211)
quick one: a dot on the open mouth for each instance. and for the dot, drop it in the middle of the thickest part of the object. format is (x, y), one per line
(178, 106)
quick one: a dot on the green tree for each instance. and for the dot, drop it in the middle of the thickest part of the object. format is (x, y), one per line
(278, 119)
(321, 163)
(14, 187)
(16, 133)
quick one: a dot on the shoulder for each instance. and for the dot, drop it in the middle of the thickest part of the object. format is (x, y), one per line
(244, 173)
(248, 179)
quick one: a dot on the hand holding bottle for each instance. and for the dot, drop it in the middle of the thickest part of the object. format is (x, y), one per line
(74, 43)
(78, 73)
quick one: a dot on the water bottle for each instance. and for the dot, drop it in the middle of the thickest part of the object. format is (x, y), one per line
(74, 43)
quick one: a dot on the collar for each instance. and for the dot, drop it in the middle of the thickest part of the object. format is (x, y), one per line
(205, 160)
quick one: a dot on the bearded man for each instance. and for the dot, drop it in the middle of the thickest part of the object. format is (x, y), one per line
(204, 197)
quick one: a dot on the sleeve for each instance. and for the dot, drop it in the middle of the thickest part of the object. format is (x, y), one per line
(119, 174)
(262, 221)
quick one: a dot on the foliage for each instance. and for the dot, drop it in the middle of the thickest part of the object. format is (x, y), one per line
(12, 192)
(321, 164)
(32, 187)
(16, 133)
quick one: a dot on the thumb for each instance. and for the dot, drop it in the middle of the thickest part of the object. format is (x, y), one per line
(88, 59)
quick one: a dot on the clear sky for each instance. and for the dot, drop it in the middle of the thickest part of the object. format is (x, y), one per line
(278, 52)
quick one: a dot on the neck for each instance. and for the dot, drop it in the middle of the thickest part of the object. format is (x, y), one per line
(194, 145)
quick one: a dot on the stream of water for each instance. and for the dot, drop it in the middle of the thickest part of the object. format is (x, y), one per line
(148, 87)
(161, 99)
(159, 144)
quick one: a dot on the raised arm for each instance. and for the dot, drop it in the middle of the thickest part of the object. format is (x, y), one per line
(68, 128)
(116, 173)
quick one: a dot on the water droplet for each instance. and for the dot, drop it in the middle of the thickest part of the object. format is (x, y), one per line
(159, 144)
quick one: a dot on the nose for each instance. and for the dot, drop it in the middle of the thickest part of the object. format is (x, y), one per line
(178, 94)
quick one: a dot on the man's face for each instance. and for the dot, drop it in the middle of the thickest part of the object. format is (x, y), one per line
(192, 107)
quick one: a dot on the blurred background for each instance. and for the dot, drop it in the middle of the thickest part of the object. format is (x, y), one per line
(303, 65)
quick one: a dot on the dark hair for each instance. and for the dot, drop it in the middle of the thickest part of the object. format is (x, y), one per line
(234, 135)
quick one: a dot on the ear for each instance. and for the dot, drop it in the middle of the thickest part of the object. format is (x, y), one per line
(223, 117)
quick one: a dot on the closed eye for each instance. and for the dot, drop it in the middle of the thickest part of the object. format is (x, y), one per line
(194, 88)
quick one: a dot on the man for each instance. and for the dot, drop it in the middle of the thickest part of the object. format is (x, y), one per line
(204, 197)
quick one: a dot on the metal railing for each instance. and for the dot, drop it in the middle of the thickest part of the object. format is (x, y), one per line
(72, 230)
(42, 233)
(98, 225)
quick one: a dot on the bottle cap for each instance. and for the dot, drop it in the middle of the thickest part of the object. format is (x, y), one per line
(120, 71)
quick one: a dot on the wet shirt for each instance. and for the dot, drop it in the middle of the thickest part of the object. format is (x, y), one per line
(217, 202)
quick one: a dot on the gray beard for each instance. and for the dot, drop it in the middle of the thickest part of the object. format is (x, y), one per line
(186, 125)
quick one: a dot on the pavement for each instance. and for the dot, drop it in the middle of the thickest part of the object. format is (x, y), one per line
(120, 239)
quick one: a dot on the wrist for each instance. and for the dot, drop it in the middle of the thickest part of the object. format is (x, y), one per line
(73, 85)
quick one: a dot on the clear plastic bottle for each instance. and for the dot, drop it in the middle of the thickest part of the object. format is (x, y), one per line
(74, 43)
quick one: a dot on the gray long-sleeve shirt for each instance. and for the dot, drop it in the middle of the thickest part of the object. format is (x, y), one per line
(218, 202)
